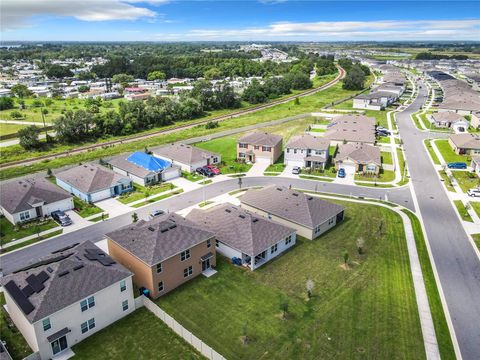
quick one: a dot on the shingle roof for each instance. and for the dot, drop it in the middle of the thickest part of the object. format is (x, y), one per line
(261, 139)
(148, 162)
(122, 162)
(307, 142)
(360, 153)
(19, 195)
(449, 116)
(466, 141)
(69, 277)
(352, 128)
(249, 233)
(158, 239)
(292, 205)
(89, 178)
(185, 154)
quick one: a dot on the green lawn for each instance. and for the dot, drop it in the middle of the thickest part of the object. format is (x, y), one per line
(31, 241)
(205, 203)
(206, 182)
(448, 154)
(462, 211)
(191, 176)
(85, 209)
(446, 181)
(476, 239)
(401, 160)
(309, 177)
(367, 311)
(433, 155)
(387, 157)
(384, 176)
(141, 192)
(277, 167)
(158, 198)
(476, 207)
(466, 179)
(99, 218)
(139, 335)
(7, 129)
(227, 148)
(10, 232)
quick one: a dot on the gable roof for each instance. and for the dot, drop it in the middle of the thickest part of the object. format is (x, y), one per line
(261, 139)
(62, 279)
(352, 128)
(308, 142)
(449, 116)
(20, 195)
(159, 239)
(291, 205)
(466, 141)
(240, 229)
(90, 178)
(139, 165)
(148, 161)
(185, 154)
(360, 153)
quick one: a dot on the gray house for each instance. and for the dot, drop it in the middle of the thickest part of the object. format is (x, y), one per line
(307, 151)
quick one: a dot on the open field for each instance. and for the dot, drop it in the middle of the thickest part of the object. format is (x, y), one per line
(7, 129)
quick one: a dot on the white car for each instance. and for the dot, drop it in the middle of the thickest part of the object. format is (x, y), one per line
(473, 192)
(296, 170)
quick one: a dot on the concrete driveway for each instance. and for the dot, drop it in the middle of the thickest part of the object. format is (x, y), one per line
(258, 168)
(113, 207)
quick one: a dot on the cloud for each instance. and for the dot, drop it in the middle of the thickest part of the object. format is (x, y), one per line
(272, 2)
(18, 13)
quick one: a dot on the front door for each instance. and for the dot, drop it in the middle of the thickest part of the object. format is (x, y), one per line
(59, 345)
(38, 209)
(205, 264)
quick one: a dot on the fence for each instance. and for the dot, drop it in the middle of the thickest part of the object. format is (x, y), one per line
(198, 344)
(139, 302)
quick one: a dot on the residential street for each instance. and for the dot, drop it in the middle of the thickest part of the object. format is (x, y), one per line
(456, 261)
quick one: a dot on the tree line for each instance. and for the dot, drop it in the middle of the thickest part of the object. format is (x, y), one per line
(356, 74)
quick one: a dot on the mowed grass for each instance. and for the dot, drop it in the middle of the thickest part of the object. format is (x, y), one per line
(10, 232)
(227, 148)
(462, 211)
(387, 157)
(139, 335)
(476, 240)
(7, 129)
(448, 154)
(466, 179)
(85, 209)
(433, 155)
(365, 312)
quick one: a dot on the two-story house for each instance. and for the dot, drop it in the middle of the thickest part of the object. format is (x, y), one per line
(259, 147)
(66, 297)
(163, 253)
(307, 151)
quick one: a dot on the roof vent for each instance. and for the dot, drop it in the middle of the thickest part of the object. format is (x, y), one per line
(241, 216)
(151, 229)
(279, 189)
(309, 198)
(173, 226)
(164, 230)
(228, 210)
(63, 273)
(49, 269)
(255, 220)
(78, 267)
(295, 194)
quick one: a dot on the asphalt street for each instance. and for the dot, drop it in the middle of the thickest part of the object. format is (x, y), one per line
(456, 261)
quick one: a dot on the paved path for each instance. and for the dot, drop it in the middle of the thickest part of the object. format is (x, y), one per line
(455, 260)
(257, 169)
(20, 122)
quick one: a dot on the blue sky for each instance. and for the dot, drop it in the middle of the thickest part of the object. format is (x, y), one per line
(251, 20)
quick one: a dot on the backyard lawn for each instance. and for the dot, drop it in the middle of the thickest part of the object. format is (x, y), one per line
(448, 154)
(85, 209)
(141, 192)
(466, 179)
(366, 310)
(139, 335)
(227, 148)
(9, 232)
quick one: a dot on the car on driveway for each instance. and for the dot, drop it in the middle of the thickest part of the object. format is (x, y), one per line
(473, 192)
(296, 170)
(205, 171)
(341, 173)
(457, 165)
(156, 213)
(213, 169)
(60, 217)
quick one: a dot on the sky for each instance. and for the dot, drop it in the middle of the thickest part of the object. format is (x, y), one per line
(237, 20)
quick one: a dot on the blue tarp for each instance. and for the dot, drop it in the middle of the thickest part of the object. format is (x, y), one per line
(148, 162)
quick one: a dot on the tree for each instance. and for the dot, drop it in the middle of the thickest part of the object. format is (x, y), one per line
(212, 125)
(156, 75)
(360, 245)
(299, 80)
(296, 101)
(28, 137)
(58, 71)
(122, 79)
(309, 285)
(15, 114)
(212, 74)
(134, 217)
(21, 91)
(83, 88)
(346, 256)
(6, 103)
(355, 79)
(49, 172)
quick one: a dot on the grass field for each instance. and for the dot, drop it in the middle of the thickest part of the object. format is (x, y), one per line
(433, 155)
(7, 129)
(466, 179)
(462, 211)
(367, 311)
(448, 154)
(10, 232)
(139, 335)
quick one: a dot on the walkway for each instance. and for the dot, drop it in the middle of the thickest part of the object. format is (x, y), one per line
(258, 169)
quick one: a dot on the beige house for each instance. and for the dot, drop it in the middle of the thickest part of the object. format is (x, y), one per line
(259, 147)
(163, 253)
(465, 143)
(309, 215)
(358, 158)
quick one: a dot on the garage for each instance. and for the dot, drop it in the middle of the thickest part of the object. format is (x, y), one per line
(263, 160)
(349, 168)
(292, 163)
(170, 173)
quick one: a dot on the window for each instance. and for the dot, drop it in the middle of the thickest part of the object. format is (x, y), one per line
(160, 286)
(288, 150)
(242, 145)
(87, 325)
(159, 268)
(215, 160)
(217, 243)
(188, 272)
(91, 324)
(84, 327)
(25, 215)
(209, 243)
(294, 151)
(125, 305)
(123, 285)
(273, 248)
(256, 147)
(266, 148)
(185, 255)
(241, 155)
(87, 303)
(46, 324)
(288, 240)
(331, 221)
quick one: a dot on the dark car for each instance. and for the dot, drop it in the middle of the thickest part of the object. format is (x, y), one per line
(62, 218)
(205, 171)
(341, 173)
(457, 165)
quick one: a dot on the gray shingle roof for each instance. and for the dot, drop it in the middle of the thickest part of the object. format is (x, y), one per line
(249, 233)
(291, 205)
(19, 195)
(449, 116)
(261, 139)
(60, 290)
(185, 154)
(147, 241)
(307, 142)
(466, 141)
(89, 178)
(360, 153)
(352, 128)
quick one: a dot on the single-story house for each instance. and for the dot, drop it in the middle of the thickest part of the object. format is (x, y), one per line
(377, 100)
(91, 182)
(358, 158)
(475, 120)
(351, 129)
(307, 214)
(259, 147)
(189, 158)
(244, 235)
(307, 151)
(163, 253)
(475, 164)
(144, 169)
(27, 199)
(465, 143)
(448, 119)
(66, 297)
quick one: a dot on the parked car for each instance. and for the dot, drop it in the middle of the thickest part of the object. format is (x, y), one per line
(62, 218)
(457, 165)
(473, 192)
(383, 133)
(205, 171)
(296, 170)
(213, 169)
(341, 173)
(156, 213)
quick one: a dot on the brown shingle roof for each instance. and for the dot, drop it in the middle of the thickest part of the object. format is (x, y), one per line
(360, 153)
(352, 128)
(449, 116)
(185, 154)
(466, 141)
(261, 139)
(307, 142)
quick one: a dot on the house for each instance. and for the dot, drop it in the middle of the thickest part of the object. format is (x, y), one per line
(27, 199)
(475, 164)
(136, 96)
(92, 183)
(475, 120)
(307, 151)
(259, 147)
(241, 234)
(358, 158)
(143, 168)
(448, 119)
(465, 143)
(309, 215)
(66, 297)
(163, 253)
(187, 157)
(351, 129)
(378, 100)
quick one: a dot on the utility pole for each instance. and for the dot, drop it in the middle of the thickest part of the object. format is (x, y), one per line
(44, 125)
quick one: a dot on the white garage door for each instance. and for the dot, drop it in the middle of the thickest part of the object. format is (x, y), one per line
(171, 173)
(349, 168)
(295, 163)
(262, 160)
(101, 195)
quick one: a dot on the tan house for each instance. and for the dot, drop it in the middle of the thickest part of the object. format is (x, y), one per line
(259, 147)
(358, 158)
(465, 143)
(163, 253)
(307, 214)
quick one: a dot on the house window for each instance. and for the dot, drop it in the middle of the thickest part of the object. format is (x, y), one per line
(87, 325)
(209, 243)
(256, 147)
(87, 303)
(25, 215)
(123, 285)
(331, 221)
(273, 249)
(242, 146)
(217, 243)
(266, 148)
(288, 240)
(215, 160)
(188, 271)
(294, 151)
(185, 255)
(241, 155)
(91, 324)
(288, 150)
(160, 286)
(84, 327)
(46, 324)
(125, 305)
(159, 268)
